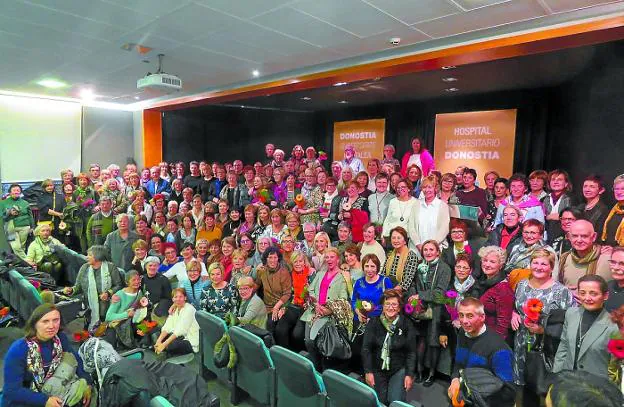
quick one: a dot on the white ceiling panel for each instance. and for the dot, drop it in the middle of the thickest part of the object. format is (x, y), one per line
(225, 44)
(96, 10)
(304, 26)
(473, 4)
(154, 8)
(559, 6)
(245, 8)
(265, 38)
(26, 35)
(47, 17)
(206, 58)
(188, 22)
(148, 38)
(415, 11)
(518, 10)
(354, 16)
(380, 42)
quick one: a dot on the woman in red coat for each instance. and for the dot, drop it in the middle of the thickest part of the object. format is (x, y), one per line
(495, 292)
(419, 156)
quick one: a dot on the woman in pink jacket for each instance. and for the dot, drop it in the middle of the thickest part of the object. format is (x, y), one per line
(419, 156)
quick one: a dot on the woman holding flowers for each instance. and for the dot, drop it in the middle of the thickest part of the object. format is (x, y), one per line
(429, 291)
(536, 299)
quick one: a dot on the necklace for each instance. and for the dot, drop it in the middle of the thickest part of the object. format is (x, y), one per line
(402, 219)
(378, 203)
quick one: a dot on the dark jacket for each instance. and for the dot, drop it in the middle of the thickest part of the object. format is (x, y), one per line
(494, 239)
(448, 256)
(402, 348)
(331, 225)
(127, 378)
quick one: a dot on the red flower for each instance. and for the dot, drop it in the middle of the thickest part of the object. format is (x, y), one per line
(616, 347)
(535, 305)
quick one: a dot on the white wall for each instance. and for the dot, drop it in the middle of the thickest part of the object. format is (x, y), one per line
(38, 138)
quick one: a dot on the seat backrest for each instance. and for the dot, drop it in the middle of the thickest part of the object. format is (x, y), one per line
(401, 404)
(250, 349)
(296, 372)
(343, 390)
(72, 261)
(211, 326)
(30, 298)
(15, 296)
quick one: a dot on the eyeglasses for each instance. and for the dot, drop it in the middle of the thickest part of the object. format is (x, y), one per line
(391, 305)
(462, 268)
(244, 288)
(568, 219)
(457, 231)
(619, 264)
(525, 233)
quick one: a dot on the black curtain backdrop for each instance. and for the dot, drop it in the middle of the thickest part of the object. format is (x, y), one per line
(575, 126)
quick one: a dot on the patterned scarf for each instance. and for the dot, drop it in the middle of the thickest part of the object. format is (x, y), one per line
(462, 288)
(425, 266)
(34, 361)
(387, 343)
(619, 233)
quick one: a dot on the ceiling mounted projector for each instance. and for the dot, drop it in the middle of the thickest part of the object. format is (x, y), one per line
(160, 80)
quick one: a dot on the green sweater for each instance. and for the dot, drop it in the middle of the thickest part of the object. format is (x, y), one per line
(23, 218)
(98, 227)
(119, 310)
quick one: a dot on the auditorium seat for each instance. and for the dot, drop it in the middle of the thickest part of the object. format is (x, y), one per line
(254, 372)
(298, 383)
(72, 261)
(343, 390)
(211, 329)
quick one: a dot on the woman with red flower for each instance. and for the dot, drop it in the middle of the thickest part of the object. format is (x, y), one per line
(536, 299)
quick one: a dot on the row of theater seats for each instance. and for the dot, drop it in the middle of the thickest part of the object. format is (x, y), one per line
(277, 377)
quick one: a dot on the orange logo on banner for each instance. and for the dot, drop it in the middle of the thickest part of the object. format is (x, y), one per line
(367, 136)
(480, 140)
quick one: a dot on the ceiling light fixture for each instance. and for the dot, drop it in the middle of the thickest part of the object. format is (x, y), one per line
(343, 101)
(87, 94)
(255, 73)
(52, 83)
(137, 97)
(340, 83)
(306, 98)
(446, 68)
(449, 79)
(450, 90)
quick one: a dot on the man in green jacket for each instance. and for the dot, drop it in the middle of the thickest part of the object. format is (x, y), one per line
(101, 223)
(18, 220)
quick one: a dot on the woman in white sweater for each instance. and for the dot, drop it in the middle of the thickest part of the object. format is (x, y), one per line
(430, 217)
(180, 334)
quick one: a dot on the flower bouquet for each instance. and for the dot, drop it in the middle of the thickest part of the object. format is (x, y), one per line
(615, 346)
(449, 300)
(146, 327)
(365, 307)
(322, 155)
(418, 310)
(532, 308)
(300, 201)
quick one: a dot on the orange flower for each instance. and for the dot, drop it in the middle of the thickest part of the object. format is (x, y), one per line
(534, 305)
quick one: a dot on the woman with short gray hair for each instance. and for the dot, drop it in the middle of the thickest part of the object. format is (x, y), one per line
(495, 292)
(97, 281)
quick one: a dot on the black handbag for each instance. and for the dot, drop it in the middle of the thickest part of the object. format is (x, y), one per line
(332, 341)
(263, 334)
(537, 368)
(478, 384)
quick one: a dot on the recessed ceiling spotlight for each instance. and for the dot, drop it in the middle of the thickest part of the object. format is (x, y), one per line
(137, 97)
(87, 94)
(340, 83)
(306, 98)
(343, 101)
(446, 68)
(451, 90)
(395, 41)
(52, 83)
(449, 79)
(255, 73)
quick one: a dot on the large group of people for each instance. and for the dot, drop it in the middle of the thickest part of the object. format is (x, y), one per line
(295, 246)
